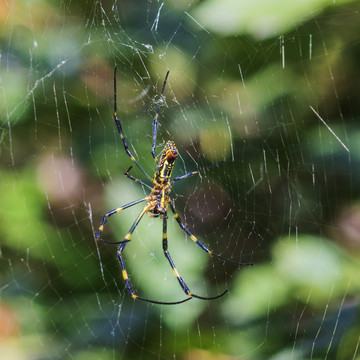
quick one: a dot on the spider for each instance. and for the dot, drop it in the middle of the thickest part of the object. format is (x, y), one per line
(158, 202)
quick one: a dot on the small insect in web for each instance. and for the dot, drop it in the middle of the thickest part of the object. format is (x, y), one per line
(158, 202)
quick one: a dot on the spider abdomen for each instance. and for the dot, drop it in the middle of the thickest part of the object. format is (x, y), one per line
(159, 198)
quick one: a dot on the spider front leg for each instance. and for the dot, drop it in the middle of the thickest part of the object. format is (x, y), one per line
(180, 279)
(155, 120)
(200, 244)
(119, 128)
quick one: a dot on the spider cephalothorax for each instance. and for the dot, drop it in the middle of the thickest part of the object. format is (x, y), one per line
(166, 163)
(157, 205)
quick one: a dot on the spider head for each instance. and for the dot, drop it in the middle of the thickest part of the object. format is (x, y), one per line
(170, 151)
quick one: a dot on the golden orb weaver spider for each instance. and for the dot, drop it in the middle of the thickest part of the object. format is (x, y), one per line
(157, 204)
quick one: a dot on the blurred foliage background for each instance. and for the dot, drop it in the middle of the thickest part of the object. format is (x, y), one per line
(272, 88)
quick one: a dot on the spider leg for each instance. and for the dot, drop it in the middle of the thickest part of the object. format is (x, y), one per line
(119, 128)
(155, 120)
(200, 244)
(180, 279)
(135, 179)
(113, 212)
(194, 172)
(125, 276)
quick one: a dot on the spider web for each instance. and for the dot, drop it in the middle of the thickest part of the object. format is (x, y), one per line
(270, 93)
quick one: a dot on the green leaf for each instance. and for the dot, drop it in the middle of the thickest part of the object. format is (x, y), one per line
(260, 18)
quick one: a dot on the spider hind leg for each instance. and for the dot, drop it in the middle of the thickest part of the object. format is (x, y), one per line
(200, 244)
(180, 279)
(124, 273)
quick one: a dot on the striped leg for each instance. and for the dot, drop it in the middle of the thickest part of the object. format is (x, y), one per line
(155, 120)
(180, 279)
(122, 263)
(135, 179)
(119, 128)
(200, 244)
(113, 212)
(195, 172)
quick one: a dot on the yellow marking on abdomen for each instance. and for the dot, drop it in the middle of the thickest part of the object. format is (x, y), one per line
(176, 215)
(164, 235)
(128, 236)
(134, 296)
(163, 199)
(101, 227)
(118, 210)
